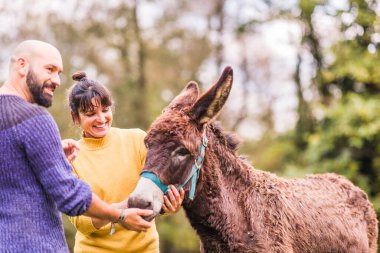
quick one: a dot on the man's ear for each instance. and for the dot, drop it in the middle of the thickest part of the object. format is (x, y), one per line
(22, 66)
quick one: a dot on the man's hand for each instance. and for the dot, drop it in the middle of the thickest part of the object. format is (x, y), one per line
(71, 148)
(134, 221)
(121, 205)
(172, 204)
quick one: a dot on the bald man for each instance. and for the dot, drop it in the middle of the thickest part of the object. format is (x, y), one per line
(36, 181)
(31, 57)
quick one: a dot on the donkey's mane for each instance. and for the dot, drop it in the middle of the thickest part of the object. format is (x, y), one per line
(237, 208)
(230, 140)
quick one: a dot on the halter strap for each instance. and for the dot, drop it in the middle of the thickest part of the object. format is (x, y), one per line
(195, 169)
(155, 179)
(194, 173)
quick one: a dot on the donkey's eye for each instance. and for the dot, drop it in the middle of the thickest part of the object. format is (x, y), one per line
(182, 152)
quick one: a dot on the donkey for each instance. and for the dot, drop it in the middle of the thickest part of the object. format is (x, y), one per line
(236, 208)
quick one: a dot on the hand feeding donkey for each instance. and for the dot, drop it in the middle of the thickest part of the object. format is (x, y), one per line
(236, 208)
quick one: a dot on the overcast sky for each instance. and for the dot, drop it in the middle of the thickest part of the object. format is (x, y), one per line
(278, 41)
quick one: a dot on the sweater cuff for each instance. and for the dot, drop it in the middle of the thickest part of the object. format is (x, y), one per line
(86, 226)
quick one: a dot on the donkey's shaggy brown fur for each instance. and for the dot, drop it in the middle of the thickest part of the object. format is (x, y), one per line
(240, 209)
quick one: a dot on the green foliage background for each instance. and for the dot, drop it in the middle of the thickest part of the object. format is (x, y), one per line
(337, 126)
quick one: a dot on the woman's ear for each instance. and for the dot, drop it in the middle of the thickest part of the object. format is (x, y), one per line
(75, 118)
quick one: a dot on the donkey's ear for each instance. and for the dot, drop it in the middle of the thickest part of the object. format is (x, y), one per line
(187, 97)
(209, 105)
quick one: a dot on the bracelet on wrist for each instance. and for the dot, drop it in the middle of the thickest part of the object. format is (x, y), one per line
(122, 217)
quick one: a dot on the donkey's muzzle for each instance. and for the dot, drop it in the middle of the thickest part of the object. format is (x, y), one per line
(135, 202)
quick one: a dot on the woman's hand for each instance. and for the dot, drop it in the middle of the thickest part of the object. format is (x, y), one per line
(173, 203)
(70, 148)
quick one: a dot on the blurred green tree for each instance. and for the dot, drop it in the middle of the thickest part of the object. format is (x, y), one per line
(146, 65)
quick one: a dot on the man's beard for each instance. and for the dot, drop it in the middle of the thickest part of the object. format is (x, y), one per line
(37, 90)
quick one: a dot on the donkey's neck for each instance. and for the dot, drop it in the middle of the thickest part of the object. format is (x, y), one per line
(219, 207)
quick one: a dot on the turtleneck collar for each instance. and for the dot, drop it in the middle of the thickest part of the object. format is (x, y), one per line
(97, 143)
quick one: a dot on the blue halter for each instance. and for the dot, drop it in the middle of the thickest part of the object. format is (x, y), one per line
(194, 174)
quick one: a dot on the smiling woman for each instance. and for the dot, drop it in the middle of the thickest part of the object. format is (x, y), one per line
(110, 160)
(91, 107)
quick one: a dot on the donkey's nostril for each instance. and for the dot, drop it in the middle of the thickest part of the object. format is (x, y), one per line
(139, 203)
(146, 204)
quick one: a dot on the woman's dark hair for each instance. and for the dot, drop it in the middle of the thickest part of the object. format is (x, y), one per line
(82, 93)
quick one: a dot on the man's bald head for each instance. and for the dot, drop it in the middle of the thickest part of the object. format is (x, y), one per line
(36, 49)
(34, 72)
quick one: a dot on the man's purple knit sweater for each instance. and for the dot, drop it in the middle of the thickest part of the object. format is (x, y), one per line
(36, 182)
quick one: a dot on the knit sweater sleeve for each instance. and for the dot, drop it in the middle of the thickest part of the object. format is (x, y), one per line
(39, 136)
(84, 223)
(85, 226)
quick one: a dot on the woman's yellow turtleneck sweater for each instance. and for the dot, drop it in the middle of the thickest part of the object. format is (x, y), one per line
(112, 166)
